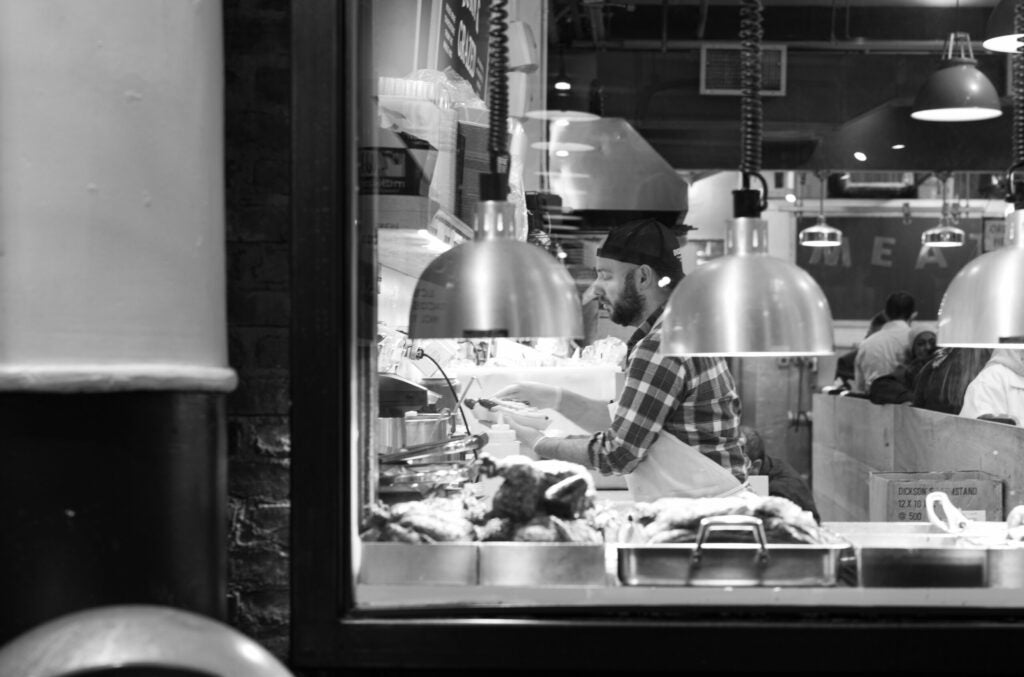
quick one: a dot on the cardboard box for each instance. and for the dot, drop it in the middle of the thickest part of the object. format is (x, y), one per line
(899, 496)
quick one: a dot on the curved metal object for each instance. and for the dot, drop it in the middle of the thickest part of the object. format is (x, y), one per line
(495, 287)
(983, 307)
(136, 635)
(747, 303)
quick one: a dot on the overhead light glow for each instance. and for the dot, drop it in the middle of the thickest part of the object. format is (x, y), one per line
(561, 145)
(860, 157)
(898, 146)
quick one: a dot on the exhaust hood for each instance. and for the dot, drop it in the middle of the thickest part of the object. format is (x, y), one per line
(598, 165)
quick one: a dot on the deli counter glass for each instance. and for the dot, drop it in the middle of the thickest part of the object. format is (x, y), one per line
(423, 535)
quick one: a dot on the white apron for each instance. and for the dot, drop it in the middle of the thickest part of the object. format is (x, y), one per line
(673, 468)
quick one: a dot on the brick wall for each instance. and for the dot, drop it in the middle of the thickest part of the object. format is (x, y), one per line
(258, 84)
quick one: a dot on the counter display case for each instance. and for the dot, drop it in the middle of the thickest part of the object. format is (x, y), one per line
(597, 607)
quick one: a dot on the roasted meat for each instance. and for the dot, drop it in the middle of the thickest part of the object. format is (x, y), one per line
(549, 486)
(677, 520)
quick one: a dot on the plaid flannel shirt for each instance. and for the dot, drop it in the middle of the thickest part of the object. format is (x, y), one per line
(693, 398)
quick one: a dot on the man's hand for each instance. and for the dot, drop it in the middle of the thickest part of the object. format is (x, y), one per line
(527, 437)
(536, 395)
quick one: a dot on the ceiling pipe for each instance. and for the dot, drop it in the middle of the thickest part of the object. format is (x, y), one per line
(855, 45)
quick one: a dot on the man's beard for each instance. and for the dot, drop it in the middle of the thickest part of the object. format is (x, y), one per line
(628, 310)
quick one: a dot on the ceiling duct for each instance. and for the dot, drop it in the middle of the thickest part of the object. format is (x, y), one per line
(720, 70)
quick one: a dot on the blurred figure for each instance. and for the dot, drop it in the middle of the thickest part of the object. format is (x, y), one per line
(783, 479)
(998, 389)
(844, 365)
(898, 387)
(941, 383)
(881, 352)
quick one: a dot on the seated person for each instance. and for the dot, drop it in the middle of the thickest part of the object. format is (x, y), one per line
(942, 381)
(783, 479)
(844, 365)
(998, 389)
(898, 386)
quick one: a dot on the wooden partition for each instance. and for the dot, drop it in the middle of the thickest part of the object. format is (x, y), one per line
(853, 438)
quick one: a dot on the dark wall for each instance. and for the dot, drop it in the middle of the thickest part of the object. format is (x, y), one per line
(258, 84)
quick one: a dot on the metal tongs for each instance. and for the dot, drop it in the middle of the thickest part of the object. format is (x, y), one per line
(454, 447)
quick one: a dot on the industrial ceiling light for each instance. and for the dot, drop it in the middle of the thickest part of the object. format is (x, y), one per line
(1001, 33)
(957, 91)
(564, 102)
(983, 306)
(747, 302)
(496, 286)
(821, 234)
(945, 234)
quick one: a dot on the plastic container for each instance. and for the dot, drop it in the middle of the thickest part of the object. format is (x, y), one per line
(501, 440)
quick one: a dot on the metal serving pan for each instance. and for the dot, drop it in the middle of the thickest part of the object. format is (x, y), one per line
(759, 563)
(539, 564)
(418, 564)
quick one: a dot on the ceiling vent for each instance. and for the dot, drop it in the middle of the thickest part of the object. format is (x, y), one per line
(720, 70)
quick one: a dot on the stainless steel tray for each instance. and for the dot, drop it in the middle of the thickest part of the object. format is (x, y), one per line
(705, 563)
(540, 564)
(418, 564)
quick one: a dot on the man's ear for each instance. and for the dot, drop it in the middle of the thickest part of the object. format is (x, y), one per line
(645, 276)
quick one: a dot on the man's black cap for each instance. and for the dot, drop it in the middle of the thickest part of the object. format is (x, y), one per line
(645, 241)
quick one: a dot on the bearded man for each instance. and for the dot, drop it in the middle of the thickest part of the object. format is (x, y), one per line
(674, 429)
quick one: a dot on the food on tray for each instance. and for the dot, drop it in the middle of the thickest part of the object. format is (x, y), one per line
(538, 501)
(432, 520)
(549, 486)
(676, 520)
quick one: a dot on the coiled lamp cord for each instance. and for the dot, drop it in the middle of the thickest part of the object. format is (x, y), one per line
(751, 112)
(1014, 189)
(497, 90)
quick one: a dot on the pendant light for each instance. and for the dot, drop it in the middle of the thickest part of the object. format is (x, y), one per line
(564, 101)
(747, 302)
(957, 91)
(496, 286)
(983, 306)
(821, 234)
(945, 234)
(1002, 33)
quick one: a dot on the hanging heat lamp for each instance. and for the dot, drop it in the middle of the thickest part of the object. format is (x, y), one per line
(565, 101)
(945, 234)
(957, 91)
(983, 306)
(496, 285)
(1001, 35)
(748, 302)
(821, 234)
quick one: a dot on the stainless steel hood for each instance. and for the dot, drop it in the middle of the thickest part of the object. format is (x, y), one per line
(598, 165)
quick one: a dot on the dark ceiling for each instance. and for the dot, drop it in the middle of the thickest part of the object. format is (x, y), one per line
(852, 71)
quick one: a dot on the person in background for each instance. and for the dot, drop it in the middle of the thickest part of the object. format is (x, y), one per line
(879, 353)
(674, 429)
(941, 383)
(998, 389)
(844, 365)
(783, 479)
(898, 387)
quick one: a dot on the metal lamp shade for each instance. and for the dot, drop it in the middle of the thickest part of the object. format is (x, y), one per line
(983, 307)
(1000, 35)
(820, 235)
(957, 92)
(747, 304)
(943, 236)
(495, 287)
